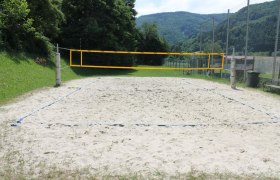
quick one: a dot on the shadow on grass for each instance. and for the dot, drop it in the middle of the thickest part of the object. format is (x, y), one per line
(87, 72)
(18, 57)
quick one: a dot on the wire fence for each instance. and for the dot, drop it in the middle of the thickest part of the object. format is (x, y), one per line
(254, 53)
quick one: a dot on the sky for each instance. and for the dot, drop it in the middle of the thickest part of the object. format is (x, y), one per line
(144, 7)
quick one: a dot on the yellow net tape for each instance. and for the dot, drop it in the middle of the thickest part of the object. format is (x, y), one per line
(208, 55)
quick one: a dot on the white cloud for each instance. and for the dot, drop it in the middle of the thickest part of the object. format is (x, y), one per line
(195, 6)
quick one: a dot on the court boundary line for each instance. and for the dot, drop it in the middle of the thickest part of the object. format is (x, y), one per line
(20, 120)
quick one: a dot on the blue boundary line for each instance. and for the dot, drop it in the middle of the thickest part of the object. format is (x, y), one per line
(122, 125)
(243, 104)
(20, 120)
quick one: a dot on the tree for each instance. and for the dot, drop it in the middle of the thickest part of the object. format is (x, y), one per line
(100, 24)
(47, 16)
(1, 26)
(151, 41)
(131, 5)
(28, 25)
(209, 46)
(15, 25)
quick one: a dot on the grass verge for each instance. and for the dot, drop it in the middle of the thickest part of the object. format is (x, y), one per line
(20, 74)
(44, 172)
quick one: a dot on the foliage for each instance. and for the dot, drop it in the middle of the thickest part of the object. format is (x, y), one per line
(189, 45)
(47, 16)
(27, 25)
(209, 47)
(100, 24)
(150, 41)
(16, 26)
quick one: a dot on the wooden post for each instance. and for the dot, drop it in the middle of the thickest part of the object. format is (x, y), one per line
(58, 69)
(233, 71)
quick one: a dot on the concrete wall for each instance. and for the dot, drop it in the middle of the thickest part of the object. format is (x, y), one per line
(265, 64)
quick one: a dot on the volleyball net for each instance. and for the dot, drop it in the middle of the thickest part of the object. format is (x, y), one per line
(146, 60)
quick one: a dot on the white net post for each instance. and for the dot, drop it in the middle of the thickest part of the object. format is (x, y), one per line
(58, 69)
(233, 71)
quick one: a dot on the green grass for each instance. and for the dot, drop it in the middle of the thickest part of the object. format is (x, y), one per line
(266, 75)
(20, 74)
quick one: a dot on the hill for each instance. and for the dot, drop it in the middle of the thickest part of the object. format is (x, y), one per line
(262, 28)
(177, 26)
(262, 31)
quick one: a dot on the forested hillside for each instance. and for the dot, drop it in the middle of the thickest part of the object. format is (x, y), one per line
(262, 31)
(178, 26)
(262, 28)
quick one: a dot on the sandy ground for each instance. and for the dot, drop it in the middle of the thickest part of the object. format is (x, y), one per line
(145, 125)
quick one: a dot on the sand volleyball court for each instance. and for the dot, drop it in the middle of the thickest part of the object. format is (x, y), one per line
(119, 126)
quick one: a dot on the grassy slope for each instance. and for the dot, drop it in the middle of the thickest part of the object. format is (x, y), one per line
(19, 74)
